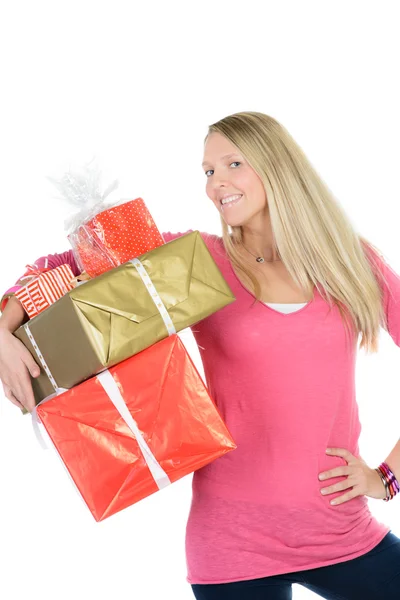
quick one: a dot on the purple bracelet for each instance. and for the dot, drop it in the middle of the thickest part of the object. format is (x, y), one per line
(389, 480)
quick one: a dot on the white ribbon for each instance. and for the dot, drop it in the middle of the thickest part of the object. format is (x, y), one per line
(36, 420)
(154, 295)
(111, 388)
(113, 392)
(57, 390)
(33, 267)
(40, 357)
(36, 423)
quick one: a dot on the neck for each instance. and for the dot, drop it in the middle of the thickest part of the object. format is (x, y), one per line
(260, 246)
(258, 239)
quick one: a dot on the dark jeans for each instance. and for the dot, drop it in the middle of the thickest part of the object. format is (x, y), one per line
(372, 576)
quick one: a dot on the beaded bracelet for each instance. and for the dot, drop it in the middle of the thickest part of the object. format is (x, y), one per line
(389, 480)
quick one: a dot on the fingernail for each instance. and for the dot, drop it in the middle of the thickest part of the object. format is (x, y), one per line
(328, 450)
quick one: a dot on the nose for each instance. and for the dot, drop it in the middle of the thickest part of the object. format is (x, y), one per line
(220, 181)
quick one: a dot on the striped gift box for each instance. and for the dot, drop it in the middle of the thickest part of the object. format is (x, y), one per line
(46, 289)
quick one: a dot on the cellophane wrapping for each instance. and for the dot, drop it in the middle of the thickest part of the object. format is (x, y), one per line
(104, 234)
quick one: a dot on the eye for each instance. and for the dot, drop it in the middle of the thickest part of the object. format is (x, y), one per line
(236, 162)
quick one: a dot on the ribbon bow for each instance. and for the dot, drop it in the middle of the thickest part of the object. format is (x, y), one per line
(33, 271)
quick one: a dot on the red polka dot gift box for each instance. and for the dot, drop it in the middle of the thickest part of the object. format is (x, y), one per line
(114, 236)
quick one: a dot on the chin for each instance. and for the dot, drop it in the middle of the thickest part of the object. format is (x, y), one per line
(241, 220)
(233, 222)
(238, 222)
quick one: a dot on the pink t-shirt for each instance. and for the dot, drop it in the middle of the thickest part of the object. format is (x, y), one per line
(285, 386)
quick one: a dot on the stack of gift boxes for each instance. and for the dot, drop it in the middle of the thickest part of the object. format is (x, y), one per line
(118, 394)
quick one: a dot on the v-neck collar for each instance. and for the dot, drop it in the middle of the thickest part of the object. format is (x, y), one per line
(273, 310)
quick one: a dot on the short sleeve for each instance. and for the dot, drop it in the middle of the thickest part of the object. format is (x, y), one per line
(389, 282)
(168, 236)
(211, 240)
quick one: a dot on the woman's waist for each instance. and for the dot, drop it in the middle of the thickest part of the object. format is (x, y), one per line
(267, 475)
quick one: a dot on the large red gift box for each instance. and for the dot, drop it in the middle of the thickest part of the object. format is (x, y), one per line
(179, 427)
(114, 236)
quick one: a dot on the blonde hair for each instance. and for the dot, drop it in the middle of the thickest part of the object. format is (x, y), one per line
(312, 234)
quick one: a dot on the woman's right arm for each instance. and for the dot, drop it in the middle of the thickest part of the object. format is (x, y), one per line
(16, 362)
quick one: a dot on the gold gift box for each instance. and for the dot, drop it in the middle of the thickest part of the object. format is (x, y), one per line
(113, 316)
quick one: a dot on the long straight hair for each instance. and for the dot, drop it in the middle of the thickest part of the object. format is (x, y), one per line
(311, 232)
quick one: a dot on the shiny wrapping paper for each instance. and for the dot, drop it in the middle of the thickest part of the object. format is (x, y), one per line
(109, 318)
(114, 236)
(172, 409)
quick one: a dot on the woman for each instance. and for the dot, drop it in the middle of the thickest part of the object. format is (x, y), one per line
(280, 364)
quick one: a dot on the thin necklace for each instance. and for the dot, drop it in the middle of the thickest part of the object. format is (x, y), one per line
(260, 259)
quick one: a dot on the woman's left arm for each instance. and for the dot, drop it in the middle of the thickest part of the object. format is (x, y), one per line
(393, 461)
(390, 285)
(363, 479)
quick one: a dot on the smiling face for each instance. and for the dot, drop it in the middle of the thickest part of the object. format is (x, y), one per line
(234, 187)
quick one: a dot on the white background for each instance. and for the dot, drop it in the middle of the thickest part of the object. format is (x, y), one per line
(136, 84)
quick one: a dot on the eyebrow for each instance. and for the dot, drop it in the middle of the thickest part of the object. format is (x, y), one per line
(226, 156)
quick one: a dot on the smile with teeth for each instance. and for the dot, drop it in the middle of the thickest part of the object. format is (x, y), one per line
(231, 199)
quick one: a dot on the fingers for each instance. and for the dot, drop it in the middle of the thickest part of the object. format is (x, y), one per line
(30, 364)
(25, 394)
(10, 396)
(21, 394)
(17, 366)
